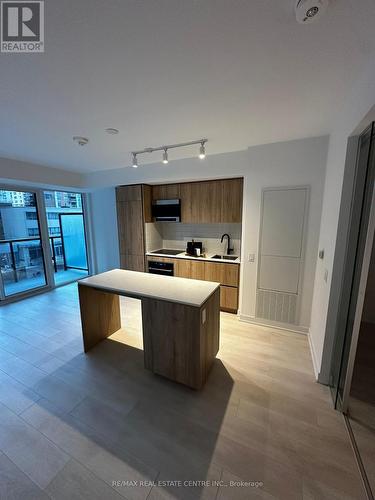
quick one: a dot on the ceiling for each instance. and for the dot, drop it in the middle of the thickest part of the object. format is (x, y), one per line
(238, 72)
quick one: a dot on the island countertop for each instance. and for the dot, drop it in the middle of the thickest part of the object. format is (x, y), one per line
(139, 285)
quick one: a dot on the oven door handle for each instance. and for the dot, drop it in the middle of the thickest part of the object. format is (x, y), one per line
(160, 270)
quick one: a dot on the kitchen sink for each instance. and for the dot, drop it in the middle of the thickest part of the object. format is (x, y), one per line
(225, 257)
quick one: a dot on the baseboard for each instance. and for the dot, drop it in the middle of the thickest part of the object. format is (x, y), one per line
(273, 324)
(313, 357)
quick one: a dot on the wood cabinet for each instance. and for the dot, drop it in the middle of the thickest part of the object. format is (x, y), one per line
(147, 202)
(228, 276)
(185, 268)
(129, 193)
(166, 192)
(182, 268)
(205, 202)
(231, 200)
(225, 274)
(228, 298)
(131, 216)
(209, 201)
(189, 208)
(212, 201)
(132, 262)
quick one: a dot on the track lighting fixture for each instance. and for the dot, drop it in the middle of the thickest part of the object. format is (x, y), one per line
(135, 162)
(165, 156)
(202, 150)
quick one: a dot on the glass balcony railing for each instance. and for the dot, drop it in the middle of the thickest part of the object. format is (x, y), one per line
(21, 265)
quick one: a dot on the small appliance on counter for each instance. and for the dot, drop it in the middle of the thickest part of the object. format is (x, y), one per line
(194, 248)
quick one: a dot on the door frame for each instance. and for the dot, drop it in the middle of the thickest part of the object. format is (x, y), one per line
(370, 240)
(301, 270)
(341, 248)
(40, 214)
(44, 238)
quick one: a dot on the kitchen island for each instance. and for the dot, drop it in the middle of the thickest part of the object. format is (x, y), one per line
(181, 320)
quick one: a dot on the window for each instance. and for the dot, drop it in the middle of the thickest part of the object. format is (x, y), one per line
(31, 216)
(52, 216)
(21, 251)
(53, 231)
(66, 229)
(22, 262)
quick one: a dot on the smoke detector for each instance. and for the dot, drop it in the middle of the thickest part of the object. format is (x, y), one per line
(308, 11)
(81, 141)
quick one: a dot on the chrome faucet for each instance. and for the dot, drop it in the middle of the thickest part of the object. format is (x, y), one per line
(229, 249)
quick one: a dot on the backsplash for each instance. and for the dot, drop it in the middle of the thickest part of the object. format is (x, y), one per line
(175, 236)
(154, 239)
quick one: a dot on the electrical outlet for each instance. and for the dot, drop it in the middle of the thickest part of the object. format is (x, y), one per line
(251, 257)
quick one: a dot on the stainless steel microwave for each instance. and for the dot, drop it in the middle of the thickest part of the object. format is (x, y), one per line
(166, 210)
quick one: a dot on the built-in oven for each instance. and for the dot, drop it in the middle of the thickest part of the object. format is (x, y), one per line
(163, 268)
(166, 210)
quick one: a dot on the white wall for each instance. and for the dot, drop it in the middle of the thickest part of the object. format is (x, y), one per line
(354, 109)
(30, 174)
(294, 163)
(103, 229)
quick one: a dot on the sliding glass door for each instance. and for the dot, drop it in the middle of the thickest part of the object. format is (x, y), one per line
(42, 240)
(21, 252)
(66, 231)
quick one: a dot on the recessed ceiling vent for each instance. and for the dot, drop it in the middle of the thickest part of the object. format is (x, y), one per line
(308, 11)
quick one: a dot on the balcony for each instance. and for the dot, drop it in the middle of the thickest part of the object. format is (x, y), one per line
(22, 266)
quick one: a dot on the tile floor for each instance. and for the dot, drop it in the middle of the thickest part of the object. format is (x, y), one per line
(98, 426)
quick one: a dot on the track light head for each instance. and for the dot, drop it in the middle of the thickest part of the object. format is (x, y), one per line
(202, 151)
(165, 156)
(135, 162)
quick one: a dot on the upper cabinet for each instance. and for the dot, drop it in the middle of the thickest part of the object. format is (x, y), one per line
(204, 202)
(200, 202)
(231, 200)
(166, 192)
(211, 201)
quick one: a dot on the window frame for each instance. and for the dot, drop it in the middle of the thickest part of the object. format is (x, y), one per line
(42, 219)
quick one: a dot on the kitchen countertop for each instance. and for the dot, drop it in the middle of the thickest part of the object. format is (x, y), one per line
(139, 285)
(183, 255)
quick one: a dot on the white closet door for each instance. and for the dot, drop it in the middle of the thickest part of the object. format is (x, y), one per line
(280, 274)
(282, 224)
(282, 230)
